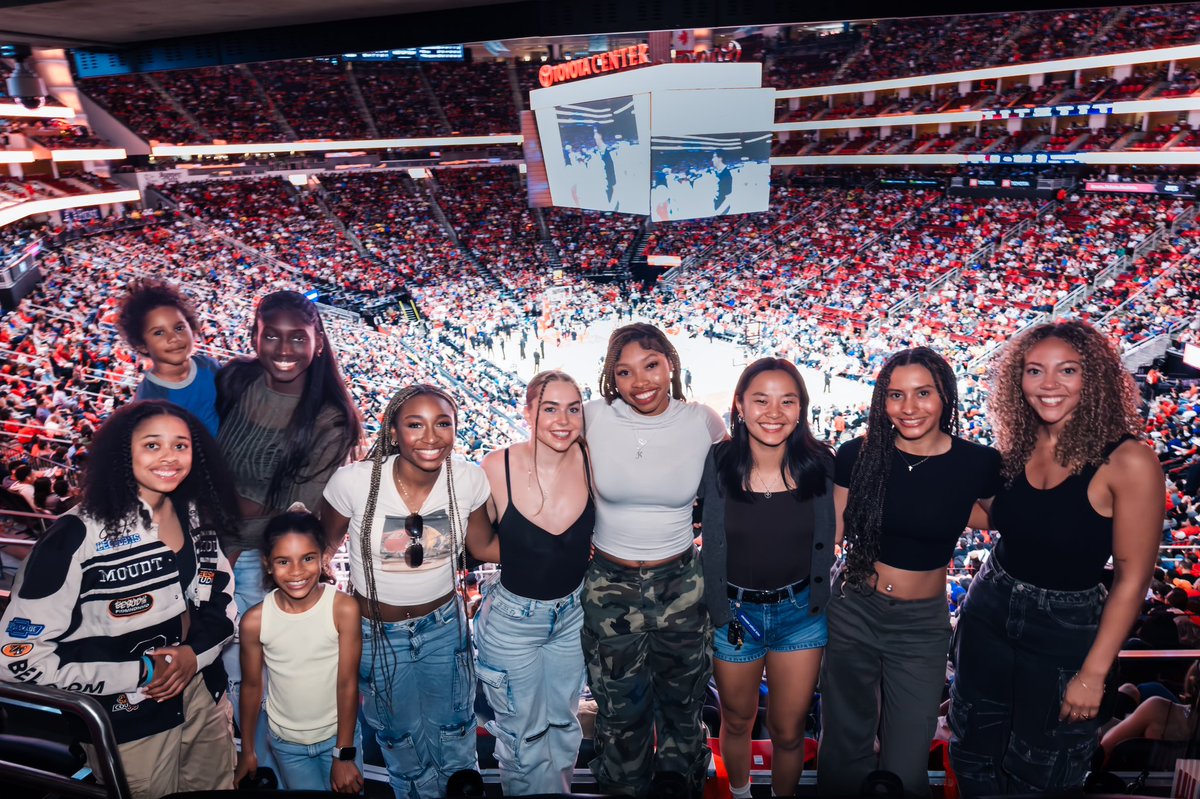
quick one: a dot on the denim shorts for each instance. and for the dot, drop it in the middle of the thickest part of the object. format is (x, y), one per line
(784, 626)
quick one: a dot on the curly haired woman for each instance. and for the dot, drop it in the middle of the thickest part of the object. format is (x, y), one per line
(1038, 633)
(903, 494)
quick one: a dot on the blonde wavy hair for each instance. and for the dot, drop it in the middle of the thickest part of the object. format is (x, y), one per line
(1107, 404)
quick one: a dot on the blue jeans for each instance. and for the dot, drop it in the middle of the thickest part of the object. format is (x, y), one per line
(306, 767)
(531, 666)
(247, 592)
(784, 626)
(418, 694)
(1018, 647)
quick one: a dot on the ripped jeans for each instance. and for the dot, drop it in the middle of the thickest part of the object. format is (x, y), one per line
(418, 695)
(1017, 648)
(531, 667)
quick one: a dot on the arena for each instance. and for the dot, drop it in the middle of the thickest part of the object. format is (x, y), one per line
(384, 198)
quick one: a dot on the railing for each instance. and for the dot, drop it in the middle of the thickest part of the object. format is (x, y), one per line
(1184, 219)
(100, 732)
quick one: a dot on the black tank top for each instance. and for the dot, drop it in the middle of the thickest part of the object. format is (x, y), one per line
(1054, 538)
(539, 565)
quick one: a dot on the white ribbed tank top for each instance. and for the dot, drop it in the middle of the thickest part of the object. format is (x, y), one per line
(301, 654)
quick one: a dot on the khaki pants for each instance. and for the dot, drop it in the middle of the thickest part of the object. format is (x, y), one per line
(198, 755)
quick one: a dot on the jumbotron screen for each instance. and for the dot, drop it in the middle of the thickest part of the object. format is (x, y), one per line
(692, 141)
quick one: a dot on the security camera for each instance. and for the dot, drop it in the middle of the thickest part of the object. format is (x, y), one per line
(25, 86)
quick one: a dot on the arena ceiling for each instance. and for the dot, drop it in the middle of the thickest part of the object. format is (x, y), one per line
(322, 27)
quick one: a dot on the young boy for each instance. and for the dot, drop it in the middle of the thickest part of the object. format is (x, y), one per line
(160, 323)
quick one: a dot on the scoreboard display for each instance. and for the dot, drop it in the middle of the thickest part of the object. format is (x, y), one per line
(444, 52)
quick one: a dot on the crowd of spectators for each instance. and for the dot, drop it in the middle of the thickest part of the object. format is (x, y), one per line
(135, 102)
(314, 96)
(225, 101)
(398, 99)
(477, 98)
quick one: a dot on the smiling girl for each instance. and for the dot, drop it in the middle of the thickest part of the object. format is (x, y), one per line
(306, 635)
(127, 598)
(647, 635)
(409, 508)
(904, 493)
(1038, 632)
(768, 528)
(530, 660)
(287, 422)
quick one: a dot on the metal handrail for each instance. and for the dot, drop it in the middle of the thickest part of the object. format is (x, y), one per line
(88, 709)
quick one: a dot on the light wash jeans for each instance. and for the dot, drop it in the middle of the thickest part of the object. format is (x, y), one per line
(247, 592)
(532, 669)
(418, 691)
(306, 767)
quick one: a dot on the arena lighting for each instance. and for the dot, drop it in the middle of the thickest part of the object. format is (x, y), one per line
(16, 156)
(185, 150)
(1146, 158)
(98, 154)
(32, 207)
(989, 115)
(45, 112)
(1014, 70)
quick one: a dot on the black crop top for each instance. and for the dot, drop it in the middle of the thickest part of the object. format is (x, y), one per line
(927, 508)
(1053, 537)
(539, 565)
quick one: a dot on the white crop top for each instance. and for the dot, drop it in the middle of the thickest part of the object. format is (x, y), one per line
(396, 583)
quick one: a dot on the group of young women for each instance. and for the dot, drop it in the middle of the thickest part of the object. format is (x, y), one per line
(129, 598)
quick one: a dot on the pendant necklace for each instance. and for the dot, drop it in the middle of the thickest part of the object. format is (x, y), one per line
(767, 493)
(911, 466)
(641, 445)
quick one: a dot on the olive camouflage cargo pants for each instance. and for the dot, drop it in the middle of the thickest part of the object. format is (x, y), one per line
(647, 639)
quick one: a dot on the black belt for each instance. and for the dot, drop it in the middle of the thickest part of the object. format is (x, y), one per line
(766, 597)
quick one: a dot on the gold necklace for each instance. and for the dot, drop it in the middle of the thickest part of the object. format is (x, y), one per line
(403, 489)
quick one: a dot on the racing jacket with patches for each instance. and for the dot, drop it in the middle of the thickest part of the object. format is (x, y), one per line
(88, 602)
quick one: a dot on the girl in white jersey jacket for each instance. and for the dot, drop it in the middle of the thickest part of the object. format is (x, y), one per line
(128, 598)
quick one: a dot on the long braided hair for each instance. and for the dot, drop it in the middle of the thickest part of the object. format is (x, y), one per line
(650, 338)
(534, 391)
(386, 445)
(869, 480)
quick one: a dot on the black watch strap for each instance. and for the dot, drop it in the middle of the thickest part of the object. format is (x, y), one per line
(345, 752)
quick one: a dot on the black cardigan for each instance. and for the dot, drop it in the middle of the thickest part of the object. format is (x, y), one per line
(713, 553)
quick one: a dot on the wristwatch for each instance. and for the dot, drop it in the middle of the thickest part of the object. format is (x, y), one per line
(345, 752)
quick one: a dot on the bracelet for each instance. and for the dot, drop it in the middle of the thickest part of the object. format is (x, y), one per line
(149, 664)
(1081, 682)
